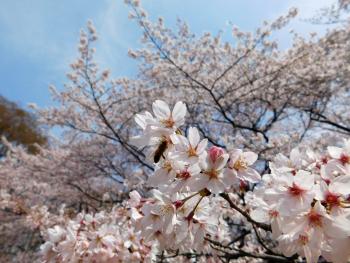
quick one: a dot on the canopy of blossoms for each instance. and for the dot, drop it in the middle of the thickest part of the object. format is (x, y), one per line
(215, 152)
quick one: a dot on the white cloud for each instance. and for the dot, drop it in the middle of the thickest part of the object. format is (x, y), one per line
(117, 34)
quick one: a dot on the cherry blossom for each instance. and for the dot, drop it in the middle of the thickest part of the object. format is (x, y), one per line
(212, 176)
(239, 165)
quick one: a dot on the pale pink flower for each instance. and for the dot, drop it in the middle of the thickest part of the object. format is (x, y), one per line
(342, 155)
(334, 193)
(318, 219)
(307, 244)
(160, 215)
(238, 166)
(183, 177)
(283, 164)
(160, 127)
(331, 170)
(165, 117)
(212, 176)
(293, 193)
(337, 250)
(266, 213)
(165, 171)
(189, 149)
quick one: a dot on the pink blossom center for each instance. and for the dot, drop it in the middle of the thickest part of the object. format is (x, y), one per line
(273, 213)
(295, 190)
(344, 159)
(327, 181)
(332, 199)
(324, 159)
(315, 219)
(212, 174)
(243, 185)
(192, 151)
(168, 123)
(303, 239)
(178, 204)
(184, 175)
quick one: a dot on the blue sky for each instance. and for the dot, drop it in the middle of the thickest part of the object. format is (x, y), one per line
(39, 37)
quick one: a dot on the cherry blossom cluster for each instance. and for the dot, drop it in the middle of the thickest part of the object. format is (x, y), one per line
(305, 198)
(100, 237)
(183, 164)
(182, 212)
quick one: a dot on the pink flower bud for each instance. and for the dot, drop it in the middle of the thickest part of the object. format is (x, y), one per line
(215, 153)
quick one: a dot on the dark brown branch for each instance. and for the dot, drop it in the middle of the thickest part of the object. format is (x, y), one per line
(124, 144)
(244, 213)
(242, 253)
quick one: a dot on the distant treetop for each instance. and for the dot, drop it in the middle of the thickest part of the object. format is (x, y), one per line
(19, 126)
